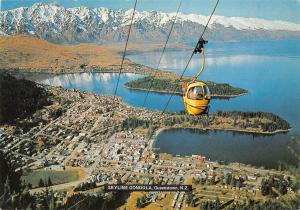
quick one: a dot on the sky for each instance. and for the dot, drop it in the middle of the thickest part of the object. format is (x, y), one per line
(287, 10)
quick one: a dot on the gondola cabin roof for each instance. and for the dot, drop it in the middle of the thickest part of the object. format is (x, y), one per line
(196, 84)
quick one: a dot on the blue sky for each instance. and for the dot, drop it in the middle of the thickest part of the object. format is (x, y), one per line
(288, 10)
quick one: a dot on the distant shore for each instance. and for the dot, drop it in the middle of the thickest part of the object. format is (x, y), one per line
(227, 129)
(40, 75)
(104, 59)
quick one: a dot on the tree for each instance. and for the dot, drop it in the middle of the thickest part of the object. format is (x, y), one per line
(218, 204)
(150, 131)
(295, 170)
(228, 178)
(202, 181)
(41, 183)
(3, 172)
(12, 193)
(212, 180)
(211, 205)
(233, 182)
(274, 185)
(190, 199)
(141, 201)
(49, 182)
(239, 183)
(265, 188)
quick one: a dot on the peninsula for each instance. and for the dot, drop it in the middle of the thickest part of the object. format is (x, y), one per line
(173, 85)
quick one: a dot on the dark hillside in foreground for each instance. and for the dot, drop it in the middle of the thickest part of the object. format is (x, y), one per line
(19, 98)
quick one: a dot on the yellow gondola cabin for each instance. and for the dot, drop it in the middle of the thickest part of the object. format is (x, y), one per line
(196, 95)
(196, 98)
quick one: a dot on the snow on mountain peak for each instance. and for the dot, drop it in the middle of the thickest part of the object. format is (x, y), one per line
(2, 33)
(45, 11)
(83, 23)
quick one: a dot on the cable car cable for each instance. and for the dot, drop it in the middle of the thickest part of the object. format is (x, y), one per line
(124, 53)
(163, 51)
(120, 71)
(194, 51)
(71, 207)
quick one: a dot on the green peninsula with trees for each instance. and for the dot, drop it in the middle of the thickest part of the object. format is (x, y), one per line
(173, 85)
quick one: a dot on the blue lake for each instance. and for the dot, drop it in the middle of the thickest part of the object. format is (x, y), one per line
(256, 150)
(269, 70)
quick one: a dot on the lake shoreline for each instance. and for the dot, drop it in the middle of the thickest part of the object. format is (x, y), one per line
(187, 126)
(230, 128)
(159, 130)
(263, 133)
(159, 148)
(41, 75)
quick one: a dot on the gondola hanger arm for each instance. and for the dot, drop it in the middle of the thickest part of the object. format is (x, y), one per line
(200, 49)
(184, 85)
(194, 78)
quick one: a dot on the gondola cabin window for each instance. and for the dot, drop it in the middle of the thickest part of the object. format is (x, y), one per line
(206, 92)
(195, 93)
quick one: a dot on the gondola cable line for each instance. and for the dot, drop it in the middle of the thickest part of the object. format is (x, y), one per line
(119, 75)
(198, 48)
(125, 49)
(77, 203)
(163, 51)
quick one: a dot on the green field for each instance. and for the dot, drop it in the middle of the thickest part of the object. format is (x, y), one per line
(57, 177)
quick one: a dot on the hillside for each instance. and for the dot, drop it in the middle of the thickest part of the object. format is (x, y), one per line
(25, 52)
(101, 25)
(31, 54)
(20, 98)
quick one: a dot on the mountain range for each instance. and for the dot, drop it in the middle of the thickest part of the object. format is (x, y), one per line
(81, 25)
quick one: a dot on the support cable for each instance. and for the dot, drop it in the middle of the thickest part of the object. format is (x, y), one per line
(161, 56)
(194, 51)
(124, 53)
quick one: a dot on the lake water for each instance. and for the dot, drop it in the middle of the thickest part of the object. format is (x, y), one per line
(227, 146)
(105, 83)
(269, 70)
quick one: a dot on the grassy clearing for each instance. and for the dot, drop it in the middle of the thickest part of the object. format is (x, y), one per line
(57, 177)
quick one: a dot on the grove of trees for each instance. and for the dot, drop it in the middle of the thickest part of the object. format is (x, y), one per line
(274, 122)
(275, 186)
(174, 85)
(19, 98)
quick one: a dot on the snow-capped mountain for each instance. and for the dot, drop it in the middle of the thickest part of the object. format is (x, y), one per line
(81, 24)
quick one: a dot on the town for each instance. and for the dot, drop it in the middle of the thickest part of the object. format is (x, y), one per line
(110, 142)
